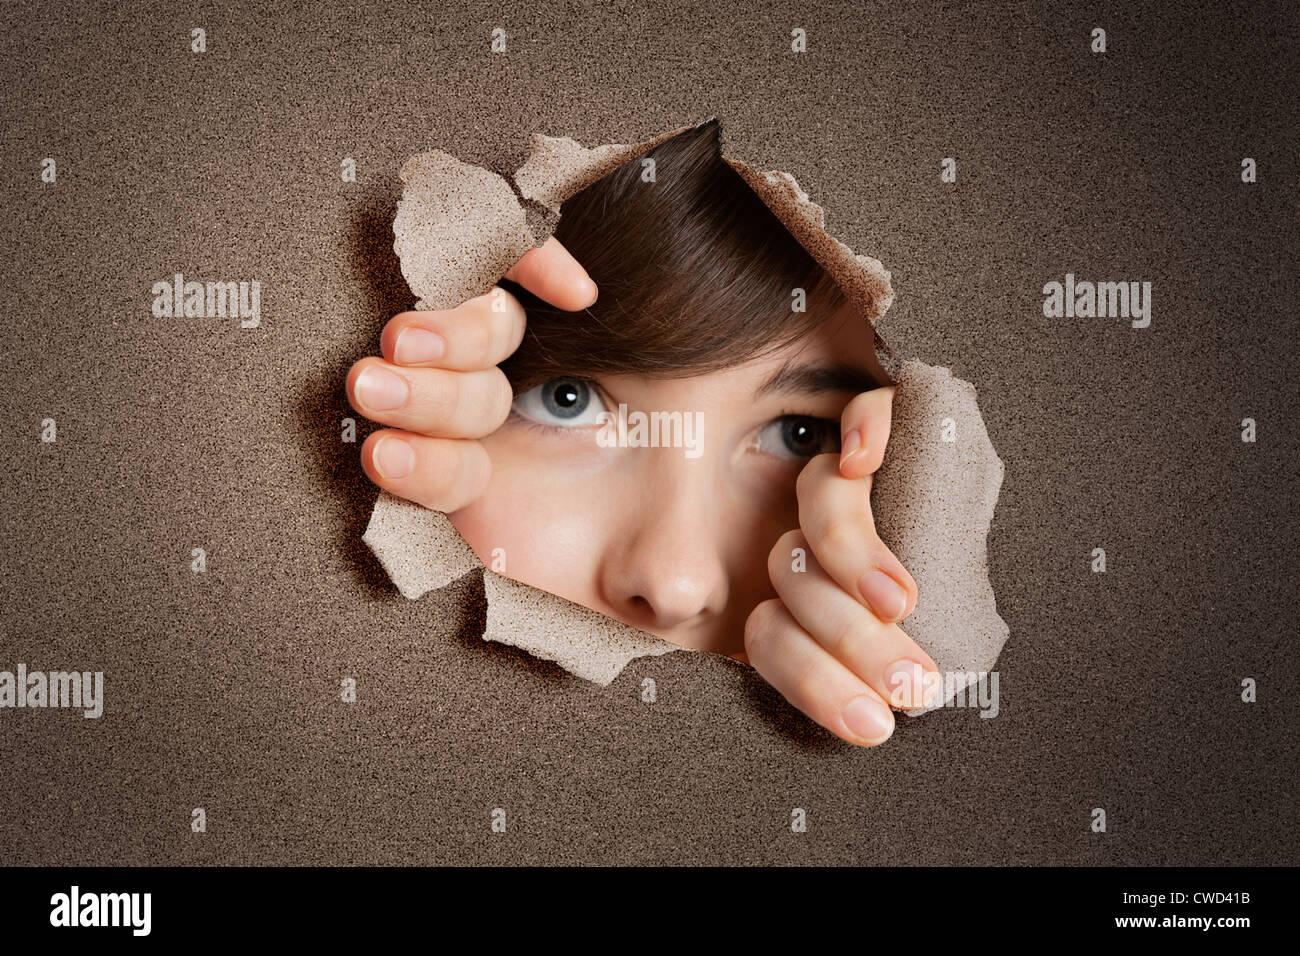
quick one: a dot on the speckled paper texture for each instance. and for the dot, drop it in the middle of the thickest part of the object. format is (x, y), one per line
(1120, 690)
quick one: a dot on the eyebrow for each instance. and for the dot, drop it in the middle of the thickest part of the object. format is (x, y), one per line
(810, 379)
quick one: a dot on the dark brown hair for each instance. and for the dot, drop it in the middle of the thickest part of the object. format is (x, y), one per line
(695, 273)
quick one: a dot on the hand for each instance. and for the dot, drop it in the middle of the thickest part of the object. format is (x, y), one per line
(829, 642)
(438, 383)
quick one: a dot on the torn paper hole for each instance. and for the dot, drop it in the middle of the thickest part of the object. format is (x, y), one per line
(460, 227)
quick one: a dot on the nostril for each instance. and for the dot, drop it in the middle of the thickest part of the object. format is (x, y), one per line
(641, 609)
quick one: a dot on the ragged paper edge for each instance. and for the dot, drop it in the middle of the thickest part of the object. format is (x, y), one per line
(933, 500)
(458, 229)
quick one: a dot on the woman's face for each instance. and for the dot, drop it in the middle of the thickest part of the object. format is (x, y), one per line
(670, 540)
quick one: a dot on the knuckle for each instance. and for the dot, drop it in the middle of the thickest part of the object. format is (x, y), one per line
(846, 638)
(503, 395)
(480, 339)
(779, 558)
(443, 394)
(805, 483)
(806, 691)
(814, 475)
(447, 467)
(839, 542)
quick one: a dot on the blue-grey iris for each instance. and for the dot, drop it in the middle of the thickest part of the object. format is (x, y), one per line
(566, 397)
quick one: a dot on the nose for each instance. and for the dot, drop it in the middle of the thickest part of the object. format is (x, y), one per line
(667, 568)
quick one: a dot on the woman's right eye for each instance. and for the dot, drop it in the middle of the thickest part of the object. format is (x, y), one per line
(798, 437)
(561, 403)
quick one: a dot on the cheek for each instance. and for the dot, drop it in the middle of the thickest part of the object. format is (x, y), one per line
(757, 517)
(765, 504)
(537, 512)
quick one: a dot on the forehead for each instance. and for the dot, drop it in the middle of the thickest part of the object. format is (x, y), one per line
(845, 338)
(838, 354)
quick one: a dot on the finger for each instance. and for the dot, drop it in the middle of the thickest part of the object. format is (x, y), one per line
(864, 432)
(890, 662)
(812, 680)
(477, 334)
(444, 474)
(835, 515)
(551, 273)
(431, 401)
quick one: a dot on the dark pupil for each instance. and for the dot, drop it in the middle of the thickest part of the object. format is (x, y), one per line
(565, 398)
(803, 436)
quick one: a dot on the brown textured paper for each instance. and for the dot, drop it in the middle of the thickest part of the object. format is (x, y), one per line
(460, 227)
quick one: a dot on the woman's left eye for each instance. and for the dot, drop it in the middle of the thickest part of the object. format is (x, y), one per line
(561, 403)
(798, 437)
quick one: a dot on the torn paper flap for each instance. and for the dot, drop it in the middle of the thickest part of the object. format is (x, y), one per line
(557, 167)
(582, 641)
(864, 280)
(933, 501)
(420, 549)
(458, 227)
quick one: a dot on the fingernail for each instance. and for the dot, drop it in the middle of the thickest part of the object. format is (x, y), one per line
(418, 345)
(868, 719)
(380, 389)
(849, 445)
(909, 683)
(885, 596)
(394, 458)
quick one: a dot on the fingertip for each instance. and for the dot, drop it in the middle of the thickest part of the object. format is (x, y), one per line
(891, 567)
(350, 381)
(909, 588)
(850, 445)
(585, 291)
(885, 395)
(392, 458)
(868, 720)
(368, 456)
(911, 603)
(865, 432)
(881, 590)
(576, 289)
(550, 272)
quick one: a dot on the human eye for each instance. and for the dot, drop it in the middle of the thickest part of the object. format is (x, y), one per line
(561, 403)
(797, 437)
